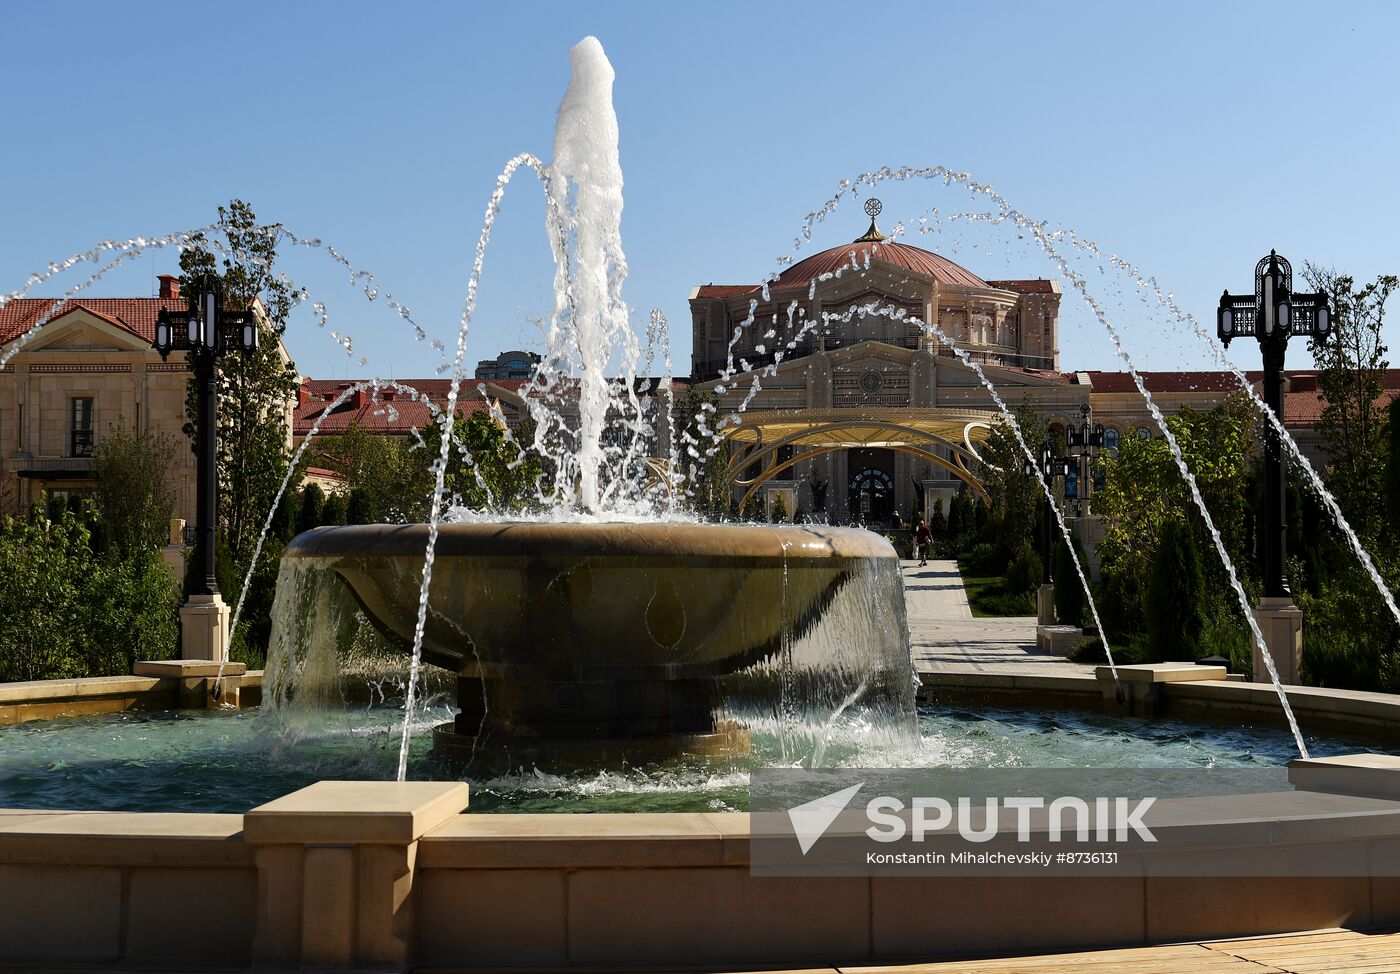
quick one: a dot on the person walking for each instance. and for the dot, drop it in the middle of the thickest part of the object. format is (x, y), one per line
(923, 537)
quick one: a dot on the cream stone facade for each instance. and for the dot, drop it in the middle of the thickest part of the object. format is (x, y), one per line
(87, 369)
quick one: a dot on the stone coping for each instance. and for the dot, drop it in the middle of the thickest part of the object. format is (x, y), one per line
(187, 668)
(1162, 673)
(606, 841)
(390, 812)
(93, 686)
(122, 838)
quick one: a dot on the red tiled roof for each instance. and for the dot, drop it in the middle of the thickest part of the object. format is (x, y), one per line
(722, 290)
(903, 256)
(1168, 381)
(135, 315)
(1040, 286)
(398, 416)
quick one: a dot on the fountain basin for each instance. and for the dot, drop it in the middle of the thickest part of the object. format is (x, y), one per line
(618, 631)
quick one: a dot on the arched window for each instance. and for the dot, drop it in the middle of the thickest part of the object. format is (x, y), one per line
(1110, 441)
(1144, 433)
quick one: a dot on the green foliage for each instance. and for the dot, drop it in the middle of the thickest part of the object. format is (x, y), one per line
(1015, 497)
(389, 480)
(1144, 495)
(333, 511)
(1175, 596)
(1392, 463)
(309, 516)
(1350, 639)
(1024, 573)
(1351, 361)
(777, 511)
(68, 612)
(1070, 604)
(703, 461)
(135, 487)
(495, 473)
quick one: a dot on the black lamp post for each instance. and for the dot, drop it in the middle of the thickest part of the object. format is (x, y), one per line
(207, 333)
(1272, 314)
(1081, 442)
(1050, 466)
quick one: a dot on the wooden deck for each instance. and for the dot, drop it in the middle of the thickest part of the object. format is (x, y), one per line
(1316, 952)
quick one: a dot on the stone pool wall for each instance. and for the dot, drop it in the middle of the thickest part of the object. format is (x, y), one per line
(379, 875)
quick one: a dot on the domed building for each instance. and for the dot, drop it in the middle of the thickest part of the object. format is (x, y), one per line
(840, 403)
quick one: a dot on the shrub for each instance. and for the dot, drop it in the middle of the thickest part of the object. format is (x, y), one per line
(1025, 572)
(983, 561)
(67, 612)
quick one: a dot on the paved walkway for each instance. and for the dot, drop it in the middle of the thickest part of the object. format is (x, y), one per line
(946, 637)
(1316, 952)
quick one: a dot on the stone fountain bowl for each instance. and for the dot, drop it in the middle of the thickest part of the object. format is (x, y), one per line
(605, 630)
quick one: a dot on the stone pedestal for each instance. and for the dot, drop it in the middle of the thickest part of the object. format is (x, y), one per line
(1058, 640)
(1045, 605)
(1137, 691)
(198, 680)
(204, 628)
(336, 864)
(1282, 624)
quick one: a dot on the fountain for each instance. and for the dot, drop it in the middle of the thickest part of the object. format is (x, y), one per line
(609, 626)
(570, 635)
(604, 624)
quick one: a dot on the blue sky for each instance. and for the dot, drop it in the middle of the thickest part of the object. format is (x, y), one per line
(1190, 137)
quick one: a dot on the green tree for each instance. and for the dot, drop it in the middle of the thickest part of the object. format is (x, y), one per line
(1015, 497)
(68, 612)
(313, 499)
(389, 481)
(1070, 602)
(1352, 363)
(333, 511)
(702, 460)
(254, 391)
(135, 491)
(1143, 489)
(1392, 466)
(1176, 596)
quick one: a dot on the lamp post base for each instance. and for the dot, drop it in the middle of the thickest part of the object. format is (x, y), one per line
(1045, 605)
(204, 628)
(1282, 625)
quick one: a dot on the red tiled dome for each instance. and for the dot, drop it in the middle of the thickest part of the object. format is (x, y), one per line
(941, 269)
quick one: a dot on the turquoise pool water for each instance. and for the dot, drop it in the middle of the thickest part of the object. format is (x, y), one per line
(229, 762)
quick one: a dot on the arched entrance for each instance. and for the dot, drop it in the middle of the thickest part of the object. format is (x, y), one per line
(870, 493)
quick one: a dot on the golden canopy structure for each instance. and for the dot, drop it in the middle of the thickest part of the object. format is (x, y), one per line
(778, 439)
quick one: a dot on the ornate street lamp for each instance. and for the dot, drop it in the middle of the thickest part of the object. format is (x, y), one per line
(206, 333)
(1273, 314)
(1048, 466)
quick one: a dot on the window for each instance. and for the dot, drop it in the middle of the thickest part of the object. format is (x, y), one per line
(80, 427)
(1110, 441)
(1144, 433)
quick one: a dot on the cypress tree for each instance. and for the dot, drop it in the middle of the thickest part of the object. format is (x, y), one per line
(312, 500)
(1069, 594)
(1175, 596)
